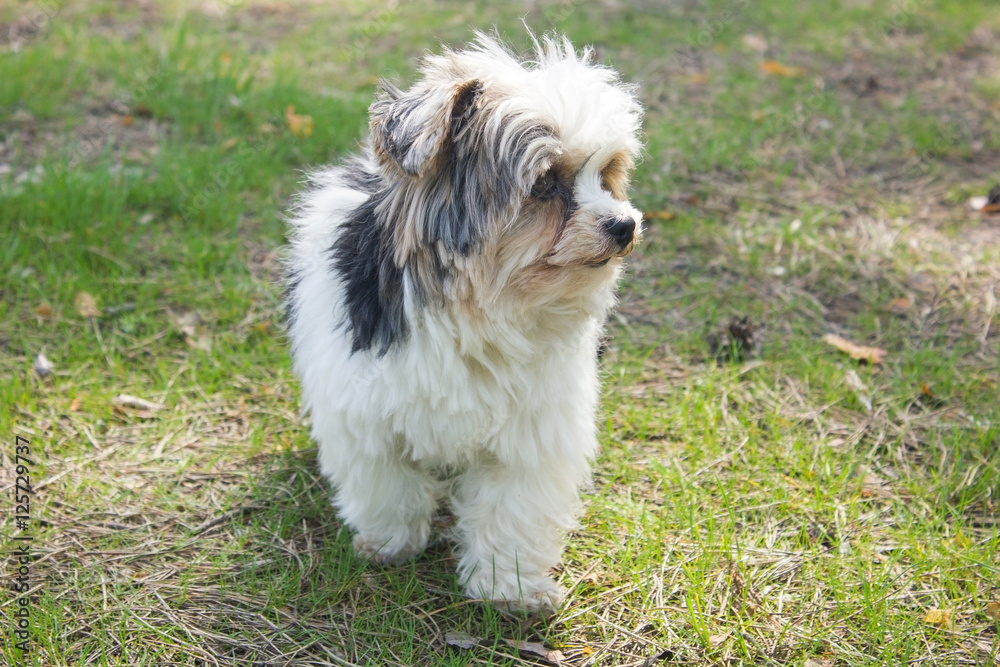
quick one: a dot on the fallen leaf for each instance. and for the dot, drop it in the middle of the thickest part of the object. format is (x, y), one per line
(776, 68)
(657, 215)
(44, 310)
(873, 486)
(714, 641)
(43, 367)
(859, 389)
(135, 403)
(187, 323)
(74, 405)
(755, 43)
(301, 126)
(86, 305)
(873, 355)
(196, 335)
(993, 611)
(929, 398)
(813, 662)
(461, 640)
(546, 654)
(939, 617)
(203, 342)
(900, 306)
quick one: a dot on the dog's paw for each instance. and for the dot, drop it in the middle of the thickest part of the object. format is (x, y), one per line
(545, 602)
(383, 551)
(542, 596)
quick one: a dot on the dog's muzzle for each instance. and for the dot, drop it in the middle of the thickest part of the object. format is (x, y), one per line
(621, 229)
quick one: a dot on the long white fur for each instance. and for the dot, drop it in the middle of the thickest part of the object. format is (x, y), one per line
(497, 413)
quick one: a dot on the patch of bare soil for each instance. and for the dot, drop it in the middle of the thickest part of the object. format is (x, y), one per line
(129, 20)
(107, 128)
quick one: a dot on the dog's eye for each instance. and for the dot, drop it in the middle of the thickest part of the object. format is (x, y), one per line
(545, 186)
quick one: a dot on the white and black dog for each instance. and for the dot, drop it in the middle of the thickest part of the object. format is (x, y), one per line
(447, 288)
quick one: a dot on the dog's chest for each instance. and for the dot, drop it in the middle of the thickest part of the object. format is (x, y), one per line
(447, 407)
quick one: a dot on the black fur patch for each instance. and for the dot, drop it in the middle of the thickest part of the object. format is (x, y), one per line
(464, 106)
(357, 175)
(292, 280)
(397, 133)
(474, 183)
(478, 180)
(373, 284)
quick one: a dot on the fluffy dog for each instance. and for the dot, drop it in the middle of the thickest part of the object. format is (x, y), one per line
(446, 291)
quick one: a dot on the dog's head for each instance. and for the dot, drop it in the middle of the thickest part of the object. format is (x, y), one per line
(507, 175)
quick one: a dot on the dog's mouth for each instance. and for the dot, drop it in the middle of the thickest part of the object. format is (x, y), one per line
(618, 253)
(626, 250)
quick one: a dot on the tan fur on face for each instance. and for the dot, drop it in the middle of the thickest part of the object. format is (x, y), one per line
(552, 250)
(477, 135)
(614, 176)
(581, 243)
(542, 259)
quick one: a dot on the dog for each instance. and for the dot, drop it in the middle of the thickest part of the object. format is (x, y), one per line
(447, 288)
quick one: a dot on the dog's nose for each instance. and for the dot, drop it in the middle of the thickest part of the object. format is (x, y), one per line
(621, 229)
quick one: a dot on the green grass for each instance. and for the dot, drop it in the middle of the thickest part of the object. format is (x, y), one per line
(795, 508)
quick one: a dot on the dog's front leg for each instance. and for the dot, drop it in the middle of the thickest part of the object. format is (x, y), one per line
(385, 498)
(511, 522)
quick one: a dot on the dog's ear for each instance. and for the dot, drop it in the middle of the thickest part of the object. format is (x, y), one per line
(413, 128)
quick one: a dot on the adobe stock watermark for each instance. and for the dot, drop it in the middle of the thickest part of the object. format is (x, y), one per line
(367, 32)
(150, 80)
(708, 32)
(945, 141)
(902, 12)
(35, 24)
(813, 104)
(22, 462)
(195, 202)
(559, 13)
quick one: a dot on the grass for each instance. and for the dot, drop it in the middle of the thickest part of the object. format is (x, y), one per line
(794, 508)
